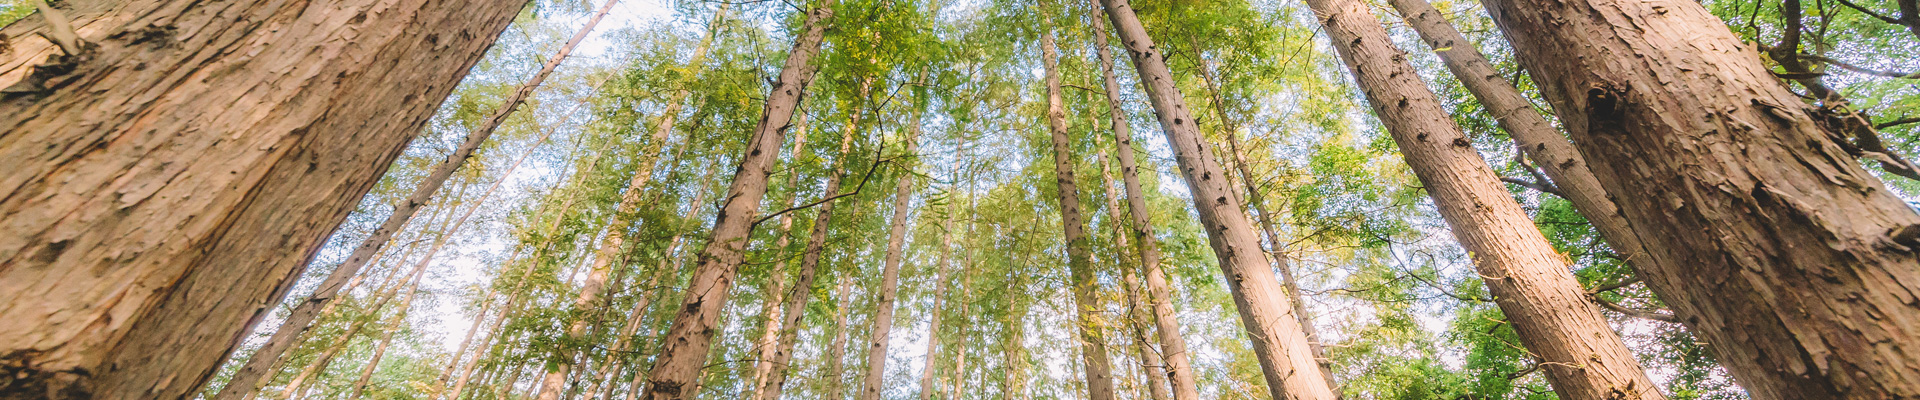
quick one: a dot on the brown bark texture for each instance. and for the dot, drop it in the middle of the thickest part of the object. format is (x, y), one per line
(1800, 267)
(1581, 355)
(1093, 344)
(767, 346)
(166, 184)
(1173, 346)
(1278, 341)
(1548, 149)
(686, 345)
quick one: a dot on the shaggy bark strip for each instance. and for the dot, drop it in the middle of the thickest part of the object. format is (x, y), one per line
(1582, 357)
(1796, 265)
(1285, 355)
(156, 184)
(686, 345)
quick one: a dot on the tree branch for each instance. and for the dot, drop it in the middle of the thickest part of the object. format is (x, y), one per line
(1870, 13)
(856, 190)
(1540, 186)
(1897, 122)
(1641, 314)
(1862, 70)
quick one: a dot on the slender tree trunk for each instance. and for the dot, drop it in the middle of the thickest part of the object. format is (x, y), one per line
(673, 256)
(1766, 236)
(1278, 339)
(1093, 348)
(155, 184)
(1150, 361)
(1579, 351)
(636, 316)
(386, 340)
(802, 290)
(941, 280)
(890, 275)
(1530, 130)
(768, 344)
(686, 344)
(835, 374)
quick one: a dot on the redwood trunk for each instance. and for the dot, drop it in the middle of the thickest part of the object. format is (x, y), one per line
(1581, 355)
(1093, 348)
(179, 172)
(1278, 341)
(686, 345)
(1795, 264)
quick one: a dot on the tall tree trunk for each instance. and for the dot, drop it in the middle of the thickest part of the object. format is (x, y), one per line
(802, 290)
(686, 344)
(890, 274)
(941, 281)
(1741, 180)
(156, 184)
(1150, 361)
(1256, 202)
(835, 374)
(1579, 351)
(768, 344)
(1278, 339)
(599, 387)
(674, 257)
(386, 339)
(1531, 131)
(1093, 347)
(1173, 347)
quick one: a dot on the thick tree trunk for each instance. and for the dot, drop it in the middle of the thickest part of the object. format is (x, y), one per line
(797, 296)
(1578, 350)
(1173, 347)
(180, 171)
(686, 344)
(1278, 341)
(1150, 361)
(890, 274)
(835, 375)
(1093, 344)
(1531, 131)
(1795, 264)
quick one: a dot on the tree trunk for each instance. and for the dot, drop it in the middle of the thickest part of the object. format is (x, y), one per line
(835, 374)
(1173, 347)
(802, 290)
(1278, 339)
(941, 280)
(386, 338)
(1150, 361)
(686, 344)
(1093, 347)
(1579, 351)
(636, 316)
(673, 256)
(890, 274)
(157, 184)
(768, 345)
(1531, 131)
(1740, 181)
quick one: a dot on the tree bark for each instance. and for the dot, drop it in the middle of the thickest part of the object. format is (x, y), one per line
(1173, 347)
(890, 274)
(686, 344)
(1151, 363)
(802, 290)
(174, 176)
(1530, 131)
(1577, 349)
(386, 340)
(636, 316)
(941, 280)
(1794, 263)
(1093, 348)
(1278, 340)
(768, 345)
